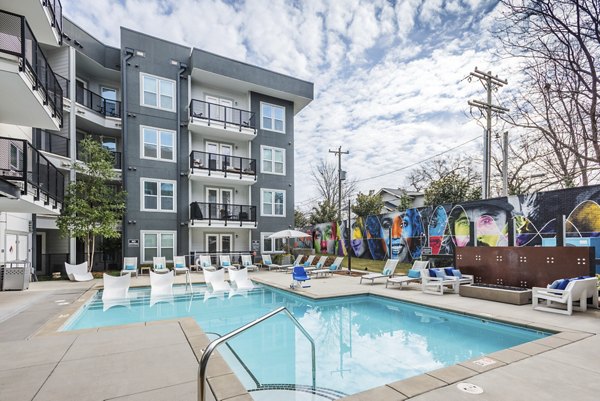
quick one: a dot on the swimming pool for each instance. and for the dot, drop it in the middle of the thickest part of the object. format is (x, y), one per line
(361, 341)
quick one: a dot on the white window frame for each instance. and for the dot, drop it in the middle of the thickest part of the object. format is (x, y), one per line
(158, 209)
(158, 131)
(262, 198)
(159, 235)
(262, 104)
(262, 159)
(158, 94)
(263, 237)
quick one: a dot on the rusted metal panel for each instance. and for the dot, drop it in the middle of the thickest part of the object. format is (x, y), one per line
(524, 266)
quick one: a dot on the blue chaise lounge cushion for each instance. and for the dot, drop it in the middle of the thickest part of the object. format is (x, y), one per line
(414, 273)
(129, 267)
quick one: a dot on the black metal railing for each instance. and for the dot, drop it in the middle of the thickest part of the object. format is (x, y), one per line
(17, 39)
(55, 8)
(225, 115)
(222, 212)
(35, 174)
(51, 142)
(97, 103)
(64, 84)
(230, 165)
(116, 156)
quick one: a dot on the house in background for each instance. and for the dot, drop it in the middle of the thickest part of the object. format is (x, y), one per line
(392, 196)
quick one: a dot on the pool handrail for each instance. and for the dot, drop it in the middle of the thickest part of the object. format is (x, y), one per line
(215, 343)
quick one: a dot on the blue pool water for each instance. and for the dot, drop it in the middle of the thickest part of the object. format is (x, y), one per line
(361, 341)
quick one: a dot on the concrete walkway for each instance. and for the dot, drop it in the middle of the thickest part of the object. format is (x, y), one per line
(159, 361)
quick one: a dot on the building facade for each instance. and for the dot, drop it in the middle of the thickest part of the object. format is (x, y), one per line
(203, 145)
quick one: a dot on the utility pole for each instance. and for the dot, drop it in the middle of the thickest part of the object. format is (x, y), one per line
(505, 164)
(490, 83)
(340, 178)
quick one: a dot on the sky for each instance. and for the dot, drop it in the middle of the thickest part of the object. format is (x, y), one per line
(389, 75)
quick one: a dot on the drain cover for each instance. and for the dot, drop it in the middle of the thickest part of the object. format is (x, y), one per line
(469, 388)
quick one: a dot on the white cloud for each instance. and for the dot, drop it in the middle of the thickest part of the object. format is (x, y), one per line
(387, 74)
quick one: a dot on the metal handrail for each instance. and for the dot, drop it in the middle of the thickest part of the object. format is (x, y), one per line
(213, 344)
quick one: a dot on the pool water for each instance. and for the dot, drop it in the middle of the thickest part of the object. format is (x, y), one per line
(361, 341)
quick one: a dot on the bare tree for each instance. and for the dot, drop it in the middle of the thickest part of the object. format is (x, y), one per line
(421, 177)
(557, 43)
(326, 179)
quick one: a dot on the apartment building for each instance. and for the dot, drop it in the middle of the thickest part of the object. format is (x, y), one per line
(203, 144)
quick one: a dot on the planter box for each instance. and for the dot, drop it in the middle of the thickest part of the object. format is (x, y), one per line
(496, 294)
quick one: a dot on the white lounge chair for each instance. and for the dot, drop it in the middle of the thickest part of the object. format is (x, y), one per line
(78, 272)
(563, 301)
(335, 266)
(216, 280)
(239, 279)
(266, 261)
(115, 287)
(225, 262)
(179, 265)
(159, 264)
(130, 266)
(289, 268)
(318, 266)
(205, 263)
(387, 272)
(161, 284)
(247, 263)
(439, 283)
(413, 276)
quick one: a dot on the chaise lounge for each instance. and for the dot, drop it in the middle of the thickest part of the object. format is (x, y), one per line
(565, 294)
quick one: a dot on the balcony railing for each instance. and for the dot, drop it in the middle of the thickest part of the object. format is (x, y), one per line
(17, 39)
(222, 212)
(230, 165)
(35, 174)
(222, 115)
(55, 8)
(116, 156)
(64, 85)
(51, 142)
(92, 100)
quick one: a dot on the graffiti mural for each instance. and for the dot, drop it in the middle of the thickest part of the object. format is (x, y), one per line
(528, 219)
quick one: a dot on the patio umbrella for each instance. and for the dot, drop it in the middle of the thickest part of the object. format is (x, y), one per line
(289, 234)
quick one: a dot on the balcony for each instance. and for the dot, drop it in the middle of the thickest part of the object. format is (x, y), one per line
(40, 183)
(51, 142)
(44, 17)
(116, 156)
(222, 169)
(64, 85)
(36, 98)
(217, 122)
(205, 214)
(95, 102)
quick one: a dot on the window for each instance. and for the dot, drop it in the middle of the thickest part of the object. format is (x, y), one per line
(158, 92)
(157, 243)
(158, 144)
(110, 100)
(273, 160)
(16, 158)
(273, 202)
(271, 245)
(272, 117)
(158, 196)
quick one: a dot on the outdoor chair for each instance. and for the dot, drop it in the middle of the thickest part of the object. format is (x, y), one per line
(413, 276)
(388, 271)
(130, 266)
(115, 292)
(335, 266)
(299, 278)
(179, 265)
(268, 263)
(289, 268)
(78, 272)
(159, 264)
(205, 263)
(435, 282)
(247, 263)
(318, 266)
(565, 295)
(225, 262)
(216, 280)
(161, 288)
(239, 279)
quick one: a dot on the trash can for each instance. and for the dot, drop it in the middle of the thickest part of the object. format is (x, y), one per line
(16, 275)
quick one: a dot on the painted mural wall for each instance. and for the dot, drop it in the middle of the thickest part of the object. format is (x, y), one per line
(403, 234)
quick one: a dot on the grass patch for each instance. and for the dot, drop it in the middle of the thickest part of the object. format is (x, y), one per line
(369, 265)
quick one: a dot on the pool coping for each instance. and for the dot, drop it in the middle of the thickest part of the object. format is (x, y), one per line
(224, 384)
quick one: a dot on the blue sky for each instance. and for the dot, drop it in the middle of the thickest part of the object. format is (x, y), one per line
(388, 74)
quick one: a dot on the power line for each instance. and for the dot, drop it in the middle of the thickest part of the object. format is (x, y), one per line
(419, 162)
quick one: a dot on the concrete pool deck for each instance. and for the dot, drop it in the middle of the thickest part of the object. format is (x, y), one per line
(159, 360)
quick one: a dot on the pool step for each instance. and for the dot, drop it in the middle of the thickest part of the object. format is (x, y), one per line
(318, 393)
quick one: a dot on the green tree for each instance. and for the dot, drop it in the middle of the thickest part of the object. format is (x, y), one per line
(404, 203)
(324, 212)
(92, 207)
(300, 219)
(367, 204)
(452, 188)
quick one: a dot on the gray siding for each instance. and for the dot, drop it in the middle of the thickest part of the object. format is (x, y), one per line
(271, 181)
(59, 60)
(157, 61)
(105, 55)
